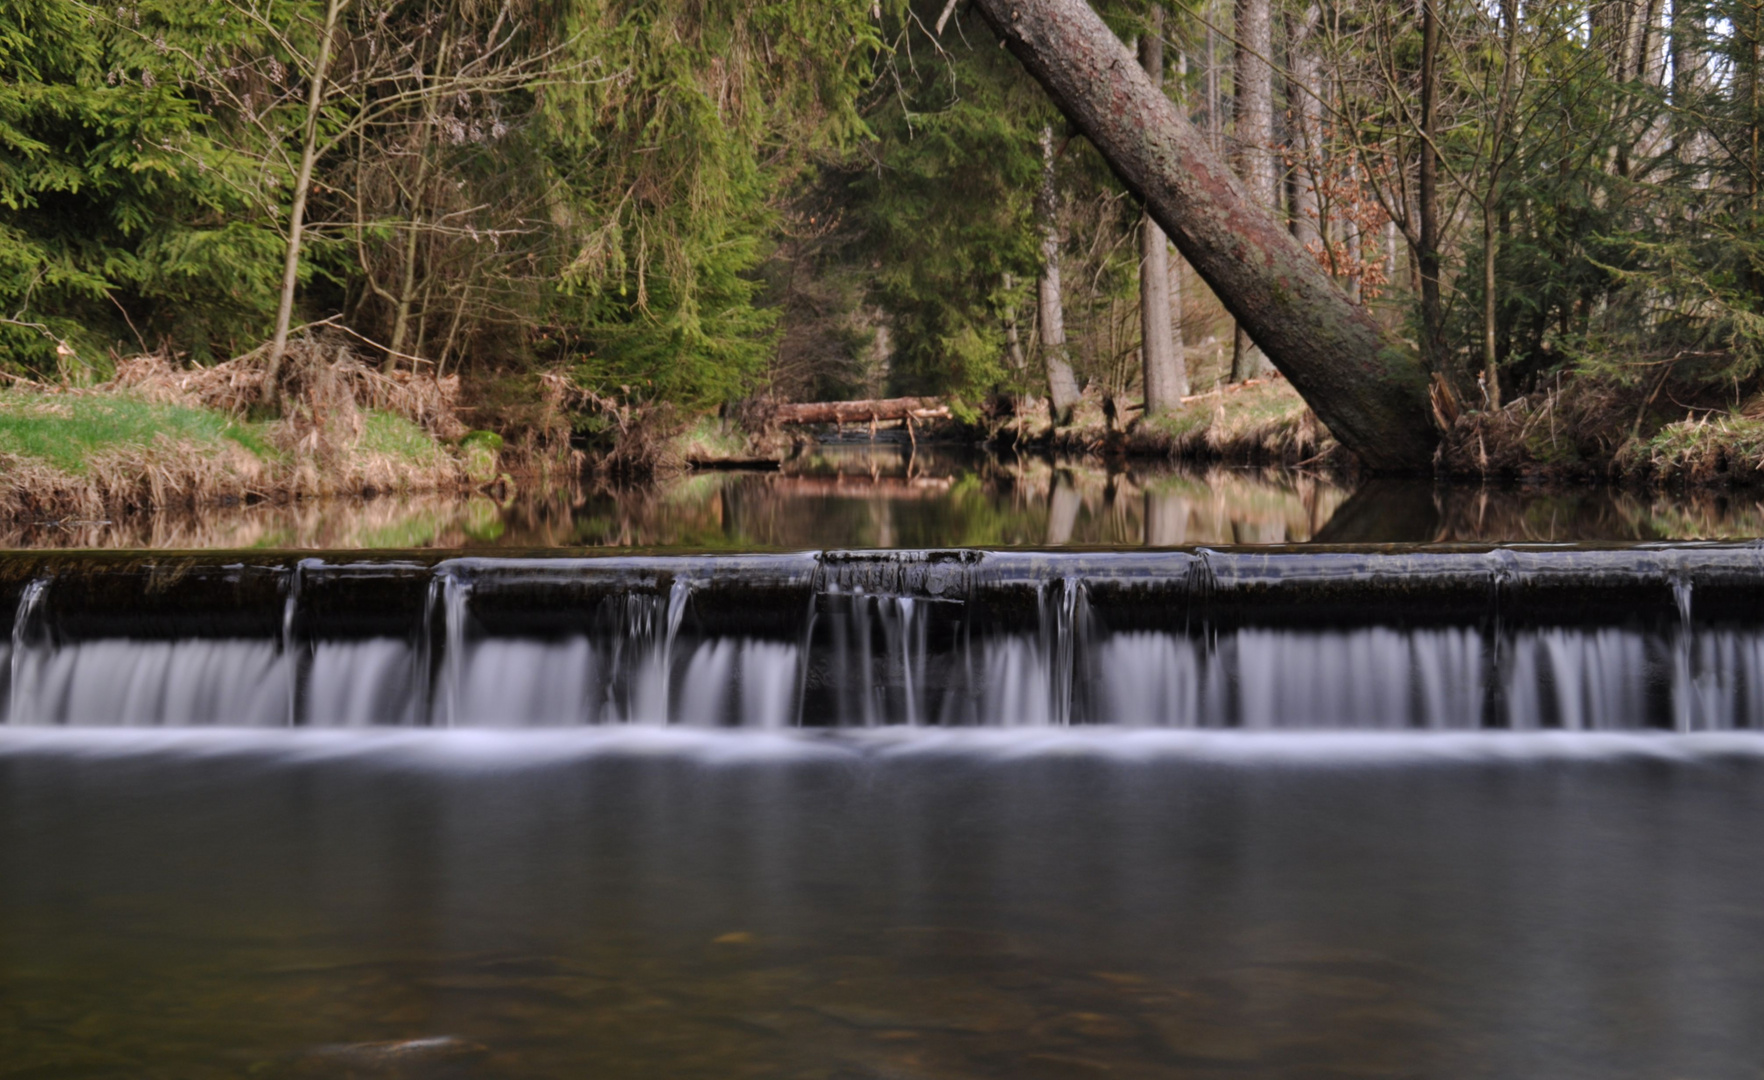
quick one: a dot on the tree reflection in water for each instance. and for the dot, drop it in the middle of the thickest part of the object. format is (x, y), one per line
(887, 496)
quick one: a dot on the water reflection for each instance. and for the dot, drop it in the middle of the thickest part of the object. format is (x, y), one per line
(885, 496)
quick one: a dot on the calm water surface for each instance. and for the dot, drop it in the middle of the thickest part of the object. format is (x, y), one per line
(887, 496)
(748, 905)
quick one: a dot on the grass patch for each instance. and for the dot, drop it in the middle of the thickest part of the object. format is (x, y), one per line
(708, 439)
(1708, 449)
(394, 436)
(1265, 420)
(114, 450)
(1182, 423)
(66, 431)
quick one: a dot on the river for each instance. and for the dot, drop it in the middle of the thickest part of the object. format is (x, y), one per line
(889, 766)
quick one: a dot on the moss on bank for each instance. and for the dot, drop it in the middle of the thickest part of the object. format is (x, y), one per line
(1577, 429)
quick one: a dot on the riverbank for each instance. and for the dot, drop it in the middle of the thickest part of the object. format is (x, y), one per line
(1575, 431)
(891, 494)
(1696, 437)
(1259, 422)
(158, 436)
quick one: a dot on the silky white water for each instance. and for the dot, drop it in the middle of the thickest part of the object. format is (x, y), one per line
(868, 641)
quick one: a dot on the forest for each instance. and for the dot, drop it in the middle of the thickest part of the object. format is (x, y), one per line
(571, 220)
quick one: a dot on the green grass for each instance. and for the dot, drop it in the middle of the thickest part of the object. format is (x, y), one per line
(394, 436)
(67, 431)
(706, 439)
(1184, 421)
(1245, 410)
(1743, 436)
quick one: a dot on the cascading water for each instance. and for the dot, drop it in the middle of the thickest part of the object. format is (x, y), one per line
(1443, 639)
(27, 631)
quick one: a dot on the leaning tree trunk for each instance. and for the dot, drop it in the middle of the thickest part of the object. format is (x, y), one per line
(1062, 385)
(1365, 386)
(1252, 125)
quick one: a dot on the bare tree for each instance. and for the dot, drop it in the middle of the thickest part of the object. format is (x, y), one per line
(383, 95)
(309, 153)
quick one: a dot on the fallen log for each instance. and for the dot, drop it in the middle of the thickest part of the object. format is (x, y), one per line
(1366, 386)
(739, 464)
(869, 411)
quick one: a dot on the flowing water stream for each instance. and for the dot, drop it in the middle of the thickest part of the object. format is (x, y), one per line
(1273, 810)
(1628, 639)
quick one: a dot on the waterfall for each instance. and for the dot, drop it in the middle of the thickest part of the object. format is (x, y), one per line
(1522, 639)
(28, 640)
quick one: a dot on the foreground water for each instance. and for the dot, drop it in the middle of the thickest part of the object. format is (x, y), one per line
(885, 496)
(725, 905)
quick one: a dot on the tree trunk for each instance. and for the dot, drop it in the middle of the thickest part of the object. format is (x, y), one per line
(1491, 374)
(1363, 385)
(1062, 385)
(1164, 383)
(1686, 57)
(1427, 252)
(297, 214)
(1177, 344)
(1013, 339)
(1215, 103)
(1252, 84)
(1751, 34)
(1503, 122)
(1305, 95)
(408, 285)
